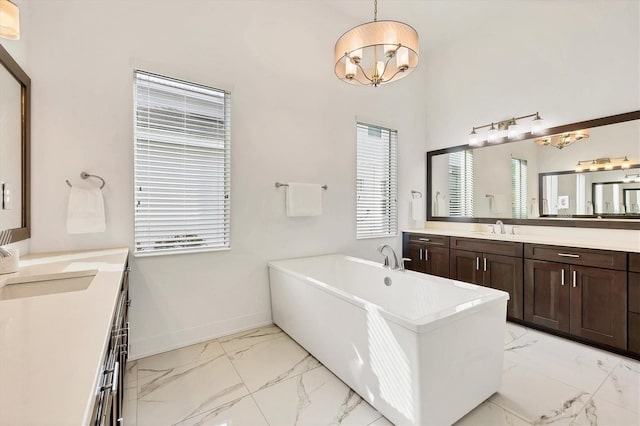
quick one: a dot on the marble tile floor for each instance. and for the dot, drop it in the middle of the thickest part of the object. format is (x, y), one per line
(263, 377)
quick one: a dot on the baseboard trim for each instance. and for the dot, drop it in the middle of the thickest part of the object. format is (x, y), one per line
(141, 348)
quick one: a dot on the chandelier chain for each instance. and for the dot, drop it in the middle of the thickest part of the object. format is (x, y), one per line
(375, 10)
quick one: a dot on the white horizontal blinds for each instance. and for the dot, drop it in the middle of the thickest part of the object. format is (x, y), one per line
(461, 183)
(182, 165)
(518, 188)
(377, 182)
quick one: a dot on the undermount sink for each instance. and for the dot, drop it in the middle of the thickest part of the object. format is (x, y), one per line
(40, 285)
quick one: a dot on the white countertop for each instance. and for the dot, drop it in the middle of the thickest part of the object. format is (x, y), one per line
(51, 346)
(628, 241)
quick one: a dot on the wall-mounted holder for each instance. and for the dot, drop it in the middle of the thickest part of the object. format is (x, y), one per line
(85, 175)
(414, 193)
(278, 185)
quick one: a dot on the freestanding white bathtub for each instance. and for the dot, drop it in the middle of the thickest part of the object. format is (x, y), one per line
(423, 350)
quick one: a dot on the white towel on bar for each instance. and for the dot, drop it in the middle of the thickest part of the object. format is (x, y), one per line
(85, 213)
(416, 209)
(304, 199)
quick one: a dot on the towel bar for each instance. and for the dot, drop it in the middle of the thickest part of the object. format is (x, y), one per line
(85, 175)
(278, 185)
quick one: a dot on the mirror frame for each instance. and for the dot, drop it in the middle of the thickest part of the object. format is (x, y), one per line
(578, 222)
(24, 231)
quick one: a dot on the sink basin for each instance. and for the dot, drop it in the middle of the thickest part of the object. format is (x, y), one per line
(40, 285)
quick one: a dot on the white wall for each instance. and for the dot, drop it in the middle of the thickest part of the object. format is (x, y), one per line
(572, 60)
(292, 120)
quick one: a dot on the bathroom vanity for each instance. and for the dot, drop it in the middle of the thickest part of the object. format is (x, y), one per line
(577, 291)
(64, 336)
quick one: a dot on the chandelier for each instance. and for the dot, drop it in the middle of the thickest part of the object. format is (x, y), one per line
(9, 20)
(563, 139)
(376, 52)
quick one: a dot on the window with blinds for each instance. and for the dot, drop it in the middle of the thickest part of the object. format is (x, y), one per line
(181, 165)
(461, 183)
(376, 182)
(518, 188)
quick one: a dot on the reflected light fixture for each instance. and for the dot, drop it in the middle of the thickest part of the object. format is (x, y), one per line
(604, 163)
(377, 52)
(563, 139)
(631, 178)
(509, 128)
(9, 20)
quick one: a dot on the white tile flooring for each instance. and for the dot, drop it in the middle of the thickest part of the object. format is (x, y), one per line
(263, 377)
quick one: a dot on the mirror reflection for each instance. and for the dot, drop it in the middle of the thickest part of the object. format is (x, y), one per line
(525, 179)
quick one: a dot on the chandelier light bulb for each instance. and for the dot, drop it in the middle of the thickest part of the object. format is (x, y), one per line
(402, 58)
(351, 70)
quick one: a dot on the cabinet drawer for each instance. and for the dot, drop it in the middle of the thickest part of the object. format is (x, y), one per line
(577, 256)
(634, 332)
(634, 262)
(427, 239)
(506, 248)
(634, 292)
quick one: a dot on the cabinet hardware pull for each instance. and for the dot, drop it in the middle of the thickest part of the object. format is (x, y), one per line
(562, 278)
(425, 239)
(568, 255)
(420, 254)
(477, 263)
(426, 254)
(485, 264)
(575, 273)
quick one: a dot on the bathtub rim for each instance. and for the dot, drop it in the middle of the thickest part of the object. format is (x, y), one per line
(421, 324)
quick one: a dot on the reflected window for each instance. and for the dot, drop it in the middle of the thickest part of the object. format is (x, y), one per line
(518, 188)
(461, 183)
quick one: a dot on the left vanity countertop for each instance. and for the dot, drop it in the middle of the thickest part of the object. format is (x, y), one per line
(52, 345)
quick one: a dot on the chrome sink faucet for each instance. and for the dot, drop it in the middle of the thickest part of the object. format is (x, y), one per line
(499, 223)
(386, 263)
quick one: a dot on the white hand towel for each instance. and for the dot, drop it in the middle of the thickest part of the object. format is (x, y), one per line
(85, 212)
(304, 199)
(499, 203)
(416, 209)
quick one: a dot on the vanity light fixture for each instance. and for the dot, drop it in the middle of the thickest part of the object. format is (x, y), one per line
(563, 139)
(510, 129)
(376, 52)
(9, 20)
(631, 178)
(606, 163)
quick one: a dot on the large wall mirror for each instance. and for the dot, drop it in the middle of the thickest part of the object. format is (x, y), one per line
(591, 182)
(15, 88)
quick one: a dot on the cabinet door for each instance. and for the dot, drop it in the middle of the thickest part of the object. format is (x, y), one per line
(546, 294)
(465, 266)
(599, 305)
(437, 261)
(505, 273)
(415, 252)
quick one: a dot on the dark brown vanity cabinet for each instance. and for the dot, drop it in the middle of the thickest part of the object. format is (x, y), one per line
(495, 264)
(582, 292)
(634, 302)
(429, 254)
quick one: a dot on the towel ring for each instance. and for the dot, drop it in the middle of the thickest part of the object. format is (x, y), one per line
(85, 175)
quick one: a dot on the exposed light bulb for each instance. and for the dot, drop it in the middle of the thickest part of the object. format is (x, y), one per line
(351, 69)
(402, 58)
(593, 167)
(625, 163)
(608, 166)
(578, 167)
